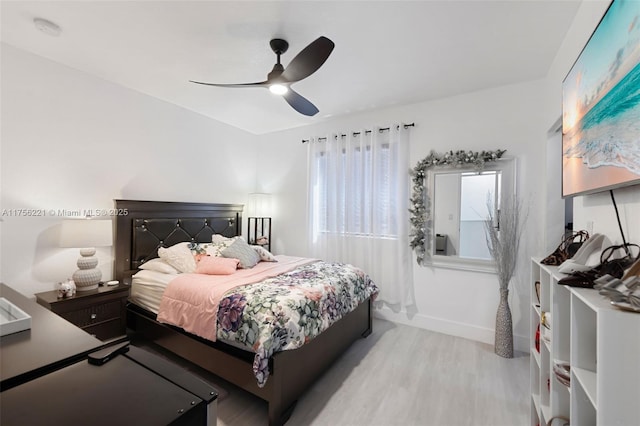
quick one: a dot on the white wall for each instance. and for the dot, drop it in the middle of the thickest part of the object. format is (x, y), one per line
(455, 302)
(74, 141)
(596, 208)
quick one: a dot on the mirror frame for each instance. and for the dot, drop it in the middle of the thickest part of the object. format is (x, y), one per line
(423, 176)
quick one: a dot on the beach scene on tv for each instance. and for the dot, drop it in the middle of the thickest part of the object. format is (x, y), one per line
(601, 106)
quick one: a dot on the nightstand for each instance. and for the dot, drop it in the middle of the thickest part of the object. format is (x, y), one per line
(99, 312)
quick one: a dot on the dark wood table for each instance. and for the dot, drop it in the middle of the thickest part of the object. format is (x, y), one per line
(47, 380)
(120, 392)
(51, 343)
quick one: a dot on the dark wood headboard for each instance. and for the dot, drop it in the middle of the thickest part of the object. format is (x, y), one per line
(141, 227)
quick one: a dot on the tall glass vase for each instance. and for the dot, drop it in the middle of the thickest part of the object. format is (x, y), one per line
(504, 327)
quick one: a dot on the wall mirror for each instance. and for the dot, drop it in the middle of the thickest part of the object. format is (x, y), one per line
(460, 200)
(457, 201)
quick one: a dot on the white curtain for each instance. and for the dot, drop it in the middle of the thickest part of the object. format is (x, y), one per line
(359, 204)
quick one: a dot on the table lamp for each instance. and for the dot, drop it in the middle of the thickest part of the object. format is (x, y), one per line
(86, 234)
(259, 205)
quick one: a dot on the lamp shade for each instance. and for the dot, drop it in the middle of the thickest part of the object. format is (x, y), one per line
(259, 204)
(85, 233)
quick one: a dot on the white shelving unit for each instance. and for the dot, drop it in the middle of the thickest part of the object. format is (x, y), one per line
(602, 345)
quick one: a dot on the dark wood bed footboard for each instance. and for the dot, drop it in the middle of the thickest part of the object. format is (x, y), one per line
(291, 372)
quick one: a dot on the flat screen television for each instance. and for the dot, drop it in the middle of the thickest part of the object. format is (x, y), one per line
(601, 106)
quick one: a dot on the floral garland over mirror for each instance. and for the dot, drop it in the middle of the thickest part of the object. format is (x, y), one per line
(421, 221)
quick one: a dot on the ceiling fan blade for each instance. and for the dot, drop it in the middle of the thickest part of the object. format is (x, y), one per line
(300, 103)
(262, 83)
(308, 60)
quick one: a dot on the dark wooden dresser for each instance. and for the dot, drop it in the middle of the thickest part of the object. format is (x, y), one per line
(99, 312)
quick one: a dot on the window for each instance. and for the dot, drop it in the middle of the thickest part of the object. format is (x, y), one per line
(476, 189)
(353, 190)
(359, 206)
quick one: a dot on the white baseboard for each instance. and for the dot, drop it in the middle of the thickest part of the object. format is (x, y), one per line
(453, 328)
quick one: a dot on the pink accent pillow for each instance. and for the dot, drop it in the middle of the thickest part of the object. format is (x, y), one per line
(214, 265)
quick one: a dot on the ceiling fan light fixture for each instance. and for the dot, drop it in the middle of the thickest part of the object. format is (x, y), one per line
(278, 89)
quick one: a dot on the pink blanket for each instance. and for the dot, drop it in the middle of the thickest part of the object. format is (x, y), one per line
(191, 301)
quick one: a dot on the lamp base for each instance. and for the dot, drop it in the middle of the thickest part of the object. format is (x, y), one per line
(88, 276)
(87, 279)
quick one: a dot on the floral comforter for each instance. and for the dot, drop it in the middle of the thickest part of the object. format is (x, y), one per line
(290, 309)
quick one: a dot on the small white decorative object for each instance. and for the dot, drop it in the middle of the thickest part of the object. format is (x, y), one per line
(66, 289)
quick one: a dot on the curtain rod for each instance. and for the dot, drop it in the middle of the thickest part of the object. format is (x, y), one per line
(382, 129)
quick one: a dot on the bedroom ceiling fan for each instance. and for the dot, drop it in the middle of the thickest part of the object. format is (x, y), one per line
(280, 79)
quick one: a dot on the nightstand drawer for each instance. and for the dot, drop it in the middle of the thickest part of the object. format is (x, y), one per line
(106, 330)
(94, 314)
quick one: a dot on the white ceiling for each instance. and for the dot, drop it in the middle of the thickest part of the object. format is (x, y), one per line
(387, 52)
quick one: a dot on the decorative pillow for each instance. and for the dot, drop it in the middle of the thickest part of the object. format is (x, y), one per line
(216, 248)
(208, 249)
(197, 250)
(243, 252)
(265, 255)
(219, 238)
(179, 256)
(159, 265)
(211, 265)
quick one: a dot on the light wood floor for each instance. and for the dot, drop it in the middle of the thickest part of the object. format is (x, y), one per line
(401, 375)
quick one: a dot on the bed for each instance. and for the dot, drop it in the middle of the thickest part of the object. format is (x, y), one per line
(144, 226)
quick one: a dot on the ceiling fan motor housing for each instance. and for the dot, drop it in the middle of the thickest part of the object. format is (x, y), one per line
(279, 46)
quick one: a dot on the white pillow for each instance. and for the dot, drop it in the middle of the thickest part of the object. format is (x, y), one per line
(179, 256)
(219, 238)
(159, 265)
(265, 255)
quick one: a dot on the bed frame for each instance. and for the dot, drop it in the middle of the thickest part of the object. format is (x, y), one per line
(148, 225)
